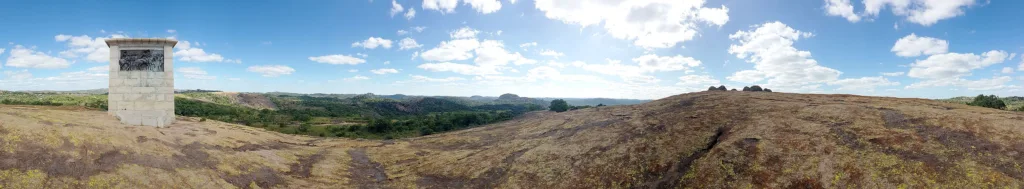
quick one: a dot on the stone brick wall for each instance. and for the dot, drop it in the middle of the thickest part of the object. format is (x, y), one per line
(141, 97)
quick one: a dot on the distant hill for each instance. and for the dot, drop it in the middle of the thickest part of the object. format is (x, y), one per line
(695, 140)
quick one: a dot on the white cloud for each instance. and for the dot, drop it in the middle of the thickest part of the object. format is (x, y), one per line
(357, 78)
(444, 6)
(18, 75)
(94, 49)
(418, 28)
(353, 70)
(841, 8)
(645, 64)
(271, 70)
(863, 84)
(337, 59)
(362, 55)
(464, 33)
(235, 79)
(655, 63)
(373, 43)
(770, 48)
(893, 73)
(458, 49)
(524, 46)
(493, 53)
(99, 69)
(2, 51)
(464, 69)
(383, 71)
(22, 57)
(402, 32)
(194, 73)
(551, 53)
(408, 43)
(396, 8)
(448, 6)
(387, 62)
(912, 46)
(697, 81)
(1007, 70)
(172, 31)
(484, 6)
(420, 78)
(954, 65)
(188, 53)
(995, 83)
(924, 12)
(648, 24)
(409, 15)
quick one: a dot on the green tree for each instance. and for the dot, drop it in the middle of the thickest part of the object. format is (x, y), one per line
(990, 101)
(767, 90)
(745, 88)
(712, 88)
(722, 88)
(559, 105)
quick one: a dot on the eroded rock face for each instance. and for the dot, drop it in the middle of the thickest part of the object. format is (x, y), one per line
(698, 140)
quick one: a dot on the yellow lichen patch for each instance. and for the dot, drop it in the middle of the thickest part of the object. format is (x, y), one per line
(22, 179)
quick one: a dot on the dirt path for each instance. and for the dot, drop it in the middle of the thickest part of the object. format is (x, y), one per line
(365, 173)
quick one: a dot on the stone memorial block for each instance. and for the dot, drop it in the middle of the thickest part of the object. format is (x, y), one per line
(139, 70)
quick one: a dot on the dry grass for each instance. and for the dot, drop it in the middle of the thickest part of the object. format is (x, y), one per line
(697, 140)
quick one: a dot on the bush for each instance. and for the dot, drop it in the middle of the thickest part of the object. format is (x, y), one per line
(722, 88)
(767, 90)
(756, 88)
(745, 88)
(990, 101)
(559, 105)
(712, 88)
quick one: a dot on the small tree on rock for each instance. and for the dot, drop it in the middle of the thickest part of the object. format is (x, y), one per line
(712, 88)
(559, 105)
(767, 90)
(722, 88)
(745, 88)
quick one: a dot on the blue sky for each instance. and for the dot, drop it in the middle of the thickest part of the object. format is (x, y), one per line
(545, 48)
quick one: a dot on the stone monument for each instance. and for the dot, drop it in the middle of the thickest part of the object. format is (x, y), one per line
(141, 88)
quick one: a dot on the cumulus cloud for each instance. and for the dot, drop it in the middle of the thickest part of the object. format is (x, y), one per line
(187, 53)
(551, 53)
(271, 70)
(408, 43)
(357, 78)
(91, 49)
(396, 8)
(923, 12)
(448, 6)
(994, 83)
(17, 75)
(383, 71)
(194, 73)
(337, 59)
(420, 78)
(863, 84)
(770, 48)
(645, 64)
(464, 69)
(402, 32)
(410, 14)
(22, 57)
(525, 46)
(90, 78)
(373, 43)
(648, 24)
(419, 28)
(893, 73)
(841, 8)
(912, 46)
(459, 49)
(464, 33)
(697, 81)
(954, 65)
(1007, 70)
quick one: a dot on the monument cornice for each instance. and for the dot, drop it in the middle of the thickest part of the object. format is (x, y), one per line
(142, 41)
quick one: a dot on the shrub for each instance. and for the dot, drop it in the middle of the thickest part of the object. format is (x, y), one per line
(990, 101)
(767, 90)
(722, 88)
(712, 88)
(745, 88)
(559, 105)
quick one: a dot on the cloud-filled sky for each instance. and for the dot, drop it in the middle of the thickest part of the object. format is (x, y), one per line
(642, 49)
